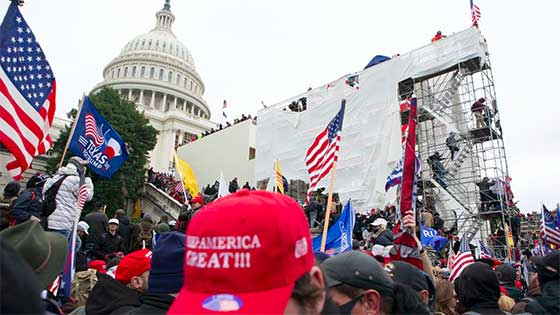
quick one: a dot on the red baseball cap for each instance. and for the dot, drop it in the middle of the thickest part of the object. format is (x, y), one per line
(197, 199)
(98, 265)
(243, 255)
(133, 265)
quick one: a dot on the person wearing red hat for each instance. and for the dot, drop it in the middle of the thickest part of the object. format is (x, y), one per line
(250, 253)
(122, 294)
(197, 203)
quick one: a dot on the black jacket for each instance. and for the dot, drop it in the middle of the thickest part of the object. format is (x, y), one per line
(548, 302)
(385, 238)
(111, 297)
(124, 231)
(108, 244)
(97, 222)
(27, 205)
(154, 303)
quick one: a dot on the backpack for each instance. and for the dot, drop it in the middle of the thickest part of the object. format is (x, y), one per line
(49, 198)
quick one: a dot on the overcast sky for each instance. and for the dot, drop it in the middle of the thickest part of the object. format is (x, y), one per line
(252, 50)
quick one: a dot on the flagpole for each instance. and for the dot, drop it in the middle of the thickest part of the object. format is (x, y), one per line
(72, 130)
(328, 210)
(178, 166)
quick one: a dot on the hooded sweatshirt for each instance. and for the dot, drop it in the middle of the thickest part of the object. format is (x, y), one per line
(154, 303)
(548, 302)
(478, 289)
(111, 297)
(66, 211)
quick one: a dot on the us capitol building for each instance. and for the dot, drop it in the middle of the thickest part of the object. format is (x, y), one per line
(157, 72)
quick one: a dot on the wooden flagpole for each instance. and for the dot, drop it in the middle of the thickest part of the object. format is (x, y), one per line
(72, 130)
(328, 210)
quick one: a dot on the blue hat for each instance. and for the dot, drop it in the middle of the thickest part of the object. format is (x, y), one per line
(166, 274)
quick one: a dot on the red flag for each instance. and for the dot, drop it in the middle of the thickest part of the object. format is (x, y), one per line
(404, 245)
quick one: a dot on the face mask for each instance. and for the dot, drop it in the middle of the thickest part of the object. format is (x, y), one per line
(346, 309)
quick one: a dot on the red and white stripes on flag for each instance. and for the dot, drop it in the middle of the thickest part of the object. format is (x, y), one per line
(179, 187)
(550, 228)
(475, 13)
(27, 93)
(463, 258)
(82, 196)
(92, 132)
(322, 154)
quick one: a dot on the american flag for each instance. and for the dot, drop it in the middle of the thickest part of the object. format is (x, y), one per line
(475, 13)
(550, 228)
(69, 268)
(27, 93)
(179, 187)
(322, 154)
(485, 252)
(463, 258)
(92, 131)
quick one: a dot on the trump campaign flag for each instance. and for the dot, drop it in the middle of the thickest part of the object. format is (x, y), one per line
(339, 236)
(97, 142)
(27, 93)
(431, 237)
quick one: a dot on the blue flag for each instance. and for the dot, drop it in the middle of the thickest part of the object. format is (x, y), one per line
(97, 142)
(431, 237)
(339, 236)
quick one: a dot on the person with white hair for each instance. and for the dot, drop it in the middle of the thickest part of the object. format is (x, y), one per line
(383, 238)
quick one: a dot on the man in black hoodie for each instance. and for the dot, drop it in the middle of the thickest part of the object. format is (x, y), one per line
(478, 290)
(166, 274)
(548, 270)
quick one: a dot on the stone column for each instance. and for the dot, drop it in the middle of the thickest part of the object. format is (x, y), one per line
(152, 102)
(163, 107)
(142, 97)
(181, 137)
(175, 103)
(130, 95)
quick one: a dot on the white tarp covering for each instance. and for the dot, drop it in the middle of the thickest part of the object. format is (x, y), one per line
(371, 134)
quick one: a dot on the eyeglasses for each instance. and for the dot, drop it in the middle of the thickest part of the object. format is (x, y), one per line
(348, 307)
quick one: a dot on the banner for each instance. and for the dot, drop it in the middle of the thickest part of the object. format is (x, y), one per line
(97, 142)
(432, 238)
(339, 236)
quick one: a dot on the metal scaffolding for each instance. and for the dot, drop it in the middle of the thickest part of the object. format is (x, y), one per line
(451, 183)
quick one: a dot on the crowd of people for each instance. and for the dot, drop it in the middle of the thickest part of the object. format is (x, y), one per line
(250, 252)
(221, 126)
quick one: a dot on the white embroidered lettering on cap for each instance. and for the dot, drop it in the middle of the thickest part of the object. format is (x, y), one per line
(301, 247)
(219, 258)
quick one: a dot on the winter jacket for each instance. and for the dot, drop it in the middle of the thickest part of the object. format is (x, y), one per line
(124, 231)
(108, 244)
(111, 297)
(385, 238)
(64, 215)
(514, 293)
(154, 303)
(27, 205)
(97, 222)
(548, 302)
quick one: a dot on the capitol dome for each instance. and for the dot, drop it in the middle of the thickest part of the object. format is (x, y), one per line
(157, 72)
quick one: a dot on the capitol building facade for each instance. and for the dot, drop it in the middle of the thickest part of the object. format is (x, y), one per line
(157, 72)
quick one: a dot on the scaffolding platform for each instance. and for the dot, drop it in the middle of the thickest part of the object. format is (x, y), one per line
(457, 188)
(484, 134)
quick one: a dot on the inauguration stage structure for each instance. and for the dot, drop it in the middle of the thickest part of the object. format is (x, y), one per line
(447, 77)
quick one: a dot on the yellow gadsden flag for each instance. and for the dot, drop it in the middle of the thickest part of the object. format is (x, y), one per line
(187, 175)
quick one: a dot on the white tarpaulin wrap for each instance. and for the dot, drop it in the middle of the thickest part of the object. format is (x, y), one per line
(371, 133)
